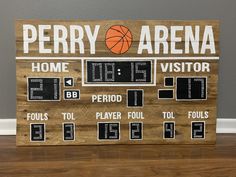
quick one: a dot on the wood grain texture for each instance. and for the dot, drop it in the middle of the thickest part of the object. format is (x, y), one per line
(84, 110)
(121, 160)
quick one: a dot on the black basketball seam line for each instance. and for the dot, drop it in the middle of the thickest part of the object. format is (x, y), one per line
(126, 32)
(113, 36)
(121, 31)
(122, 45)
(128, 44)
(118, 41)
(127, 36)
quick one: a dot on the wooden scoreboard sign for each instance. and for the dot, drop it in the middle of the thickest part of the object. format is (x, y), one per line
(116, 82)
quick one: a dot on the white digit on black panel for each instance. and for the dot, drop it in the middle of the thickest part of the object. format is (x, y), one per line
(132, 72)
(96, 72)
(135, 98)
(56, 88)
(142, 72)
(198, 130)
(168, 130)
(136, 131)
(113, 131)
(109, 72)
(108, 131)
(202, 81)
(35, 89)
(68, 131)
(37, 132)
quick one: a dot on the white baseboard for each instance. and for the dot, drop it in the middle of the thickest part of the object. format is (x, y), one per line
(8, 126)
(226, 125)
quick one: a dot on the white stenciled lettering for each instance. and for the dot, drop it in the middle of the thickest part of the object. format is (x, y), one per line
(37, 116)
(65, 40)
(191, 38)
(108, 115)
(50, 67)
(198, 114)
(106, 98)
(185, 67)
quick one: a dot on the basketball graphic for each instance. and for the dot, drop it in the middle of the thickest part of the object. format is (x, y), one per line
(118, 39)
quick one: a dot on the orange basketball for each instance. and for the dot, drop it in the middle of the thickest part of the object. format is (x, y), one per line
(118, 39)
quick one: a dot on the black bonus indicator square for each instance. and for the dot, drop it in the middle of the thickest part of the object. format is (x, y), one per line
(169, 82)
(37, 132)
(135, 98)
(108, 131)
(136, 131)
(198, 130)
(69, 131)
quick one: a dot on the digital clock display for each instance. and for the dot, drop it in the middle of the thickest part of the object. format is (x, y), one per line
(119, 71)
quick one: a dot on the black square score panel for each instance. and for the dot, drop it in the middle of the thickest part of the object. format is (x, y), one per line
(135, 98)
(191, 88)
(136, 131)
(198, 130)
(169, 82)
(43, 89)
(37, 132)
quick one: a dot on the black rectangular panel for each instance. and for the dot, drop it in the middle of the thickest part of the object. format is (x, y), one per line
(136, 131)
(135, 98)
(193, 88)
(119, 71)
(169, 130)
(108, 131)
(37, 132)
(47, 89)
(69, 131)
(198, 130)
(166, 94)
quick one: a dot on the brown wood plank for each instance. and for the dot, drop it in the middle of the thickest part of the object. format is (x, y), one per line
(121, 160)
